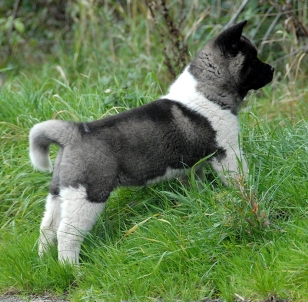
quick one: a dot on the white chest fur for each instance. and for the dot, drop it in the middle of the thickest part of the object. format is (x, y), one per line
(224, 122)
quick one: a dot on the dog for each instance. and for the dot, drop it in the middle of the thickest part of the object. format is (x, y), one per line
(158, 141)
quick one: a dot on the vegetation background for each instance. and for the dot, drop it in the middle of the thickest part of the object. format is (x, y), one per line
(84, 59)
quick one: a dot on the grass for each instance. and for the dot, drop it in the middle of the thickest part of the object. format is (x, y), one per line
(171, 241)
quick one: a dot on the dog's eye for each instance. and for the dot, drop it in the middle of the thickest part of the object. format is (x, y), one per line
(246, 67)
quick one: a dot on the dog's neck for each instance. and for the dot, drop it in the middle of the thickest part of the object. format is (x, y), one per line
(189, 89)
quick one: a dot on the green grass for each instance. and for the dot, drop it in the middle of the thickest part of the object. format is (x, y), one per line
(171, 241)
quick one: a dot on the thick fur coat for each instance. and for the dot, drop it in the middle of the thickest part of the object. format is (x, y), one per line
(197, 118)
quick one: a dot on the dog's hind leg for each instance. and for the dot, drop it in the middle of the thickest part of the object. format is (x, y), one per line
(78, 217)
(50, 223)
(51, 220)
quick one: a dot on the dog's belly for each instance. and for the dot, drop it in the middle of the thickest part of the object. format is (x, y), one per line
(145, 179)
(169, 174)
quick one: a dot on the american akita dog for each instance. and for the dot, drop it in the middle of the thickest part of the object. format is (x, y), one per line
(197, 118)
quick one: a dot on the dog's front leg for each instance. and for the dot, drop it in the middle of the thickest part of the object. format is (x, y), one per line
(231, 168)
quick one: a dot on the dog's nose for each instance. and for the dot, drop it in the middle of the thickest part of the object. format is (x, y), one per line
(272, 69)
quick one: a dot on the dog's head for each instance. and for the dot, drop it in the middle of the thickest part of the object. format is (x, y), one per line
(228, 67)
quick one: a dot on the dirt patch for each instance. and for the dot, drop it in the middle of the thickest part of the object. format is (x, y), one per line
(48, 298)
(31, 299)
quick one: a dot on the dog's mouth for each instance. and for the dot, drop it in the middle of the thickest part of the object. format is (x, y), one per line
(269, 74)
(265, 77)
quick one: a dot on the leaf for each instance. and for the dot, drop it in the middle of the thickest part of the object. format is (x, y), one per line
(134, 228)
(19, 26)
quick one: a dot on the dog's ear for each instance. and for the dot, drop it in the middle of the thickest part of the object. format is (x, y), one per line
(229, 39)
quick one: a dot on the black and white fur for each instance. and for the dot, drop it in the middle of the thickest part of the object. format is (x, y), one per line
(197, 118)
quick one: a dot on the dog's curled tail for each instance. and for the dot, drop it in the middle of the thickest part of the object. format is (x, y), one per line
(44, 134)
